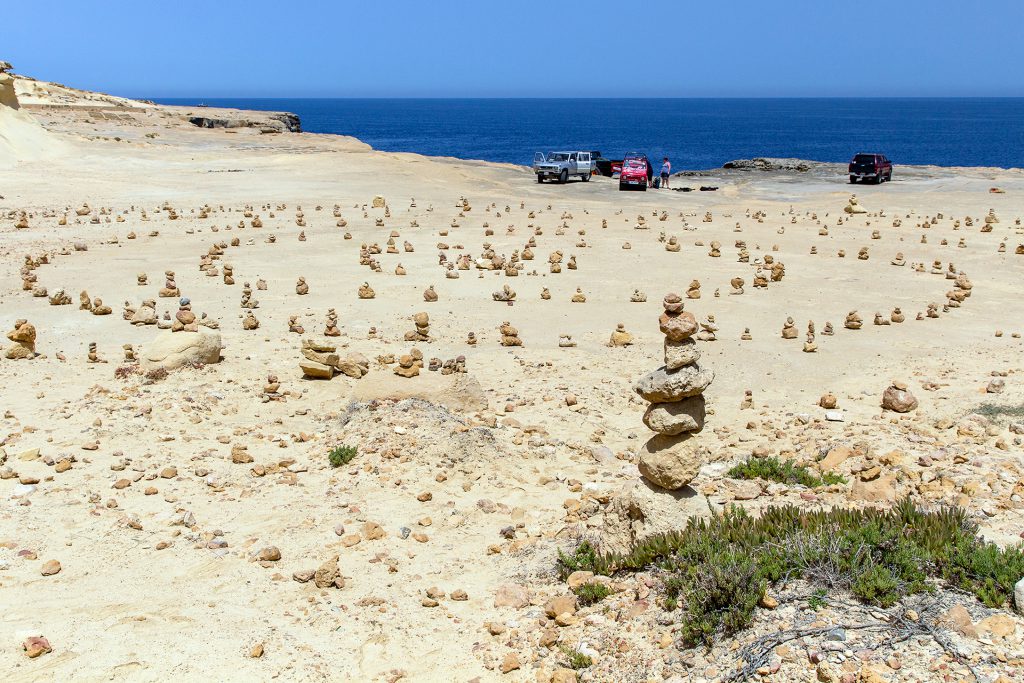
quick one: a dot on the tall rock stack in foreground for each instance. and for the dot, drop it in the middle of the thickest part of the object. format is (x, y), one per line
(660, 501)
(672, 457)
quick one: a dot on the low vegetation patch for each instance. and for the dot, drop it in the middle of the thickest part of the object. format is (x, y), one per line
(576, 659)
(342, 455)
(772, 469)
(994, 411)
(583, 558)
(716, 570)
(589, 593)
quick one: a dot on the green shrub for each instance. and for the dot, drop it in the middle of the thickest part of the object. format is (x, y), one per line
(717, 569)
(718, 595)
(818, 599)
(342, 455)
(876, 585)
(983, 569)
(583, 558)
(773, 469)
(589, 593)
(576, 659)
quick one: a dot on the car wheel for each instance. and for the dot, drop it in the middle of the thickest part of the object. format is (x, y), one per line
(643, 188)
(585, 177)
(622, 188)
(853, 180)
(540, 178)
(563, 177)
(888, 177)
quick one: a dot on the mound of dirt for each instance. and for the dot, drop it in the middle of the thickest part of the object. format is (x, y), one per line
(443, 439)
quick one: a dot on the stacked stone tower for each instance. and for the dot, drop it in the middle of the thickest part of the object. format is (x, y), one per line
(672, 457)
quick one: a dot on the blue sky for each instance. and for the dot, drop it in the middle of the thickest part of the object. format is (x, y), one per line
(521, 48)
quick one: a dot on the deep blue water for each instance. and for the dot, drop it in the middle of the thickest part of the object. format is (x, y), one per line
(694, 133)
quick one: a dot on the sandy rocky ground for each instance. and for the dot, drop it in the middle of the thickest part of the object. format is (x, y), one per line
(190, 527)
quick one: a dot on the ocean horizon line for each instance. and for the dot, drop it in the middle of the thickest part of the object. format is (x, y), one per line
(581, 98)
(693, 132)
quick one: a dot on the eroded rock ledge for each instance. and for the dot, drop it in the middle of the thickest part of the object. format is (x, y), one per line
(280, 121)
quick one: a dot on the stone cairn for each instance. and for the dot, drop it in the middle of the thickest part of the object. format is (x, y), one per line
(170, 288)
(331, 324)
(184, 319)
(321, 361)
(422, 331)
(672, 458)
(23, 338)
(509, 335)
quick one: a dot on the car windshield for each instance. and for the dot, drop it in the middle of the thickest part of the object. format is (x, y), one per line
(558, 156)
(864, 159)
(633, 163)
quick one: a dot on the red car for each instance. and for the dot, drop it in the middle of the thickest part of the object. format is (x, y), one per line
(874, 167)
(636, 172)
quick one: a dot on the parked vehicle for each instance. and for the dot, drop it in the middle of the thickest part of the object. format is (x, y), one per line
(561, 165)
(875, 167)
(636, 172)
(603, 166)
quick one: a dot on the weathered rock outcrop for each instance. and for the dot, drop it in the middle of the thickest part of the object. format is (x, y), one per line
(275, 121)
(8, 98)
(170, 350)
(768, 164)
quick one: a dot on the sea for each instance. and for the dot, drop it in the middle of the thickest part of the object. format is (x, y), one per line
(693, 133)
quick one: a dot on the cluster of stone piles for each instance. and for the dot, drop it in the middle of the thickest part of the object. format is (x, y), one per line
(321, 361)
(672, 458)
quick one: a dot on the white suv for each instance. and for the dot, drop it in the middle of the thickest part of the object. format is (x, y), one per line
(561, 165)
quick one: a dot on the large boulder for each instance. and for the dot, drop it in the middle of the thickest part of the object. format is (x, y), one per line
(671, 462)
(898, 398)
(664, 385)
(677, 417)
(640, 510)
(172, 350)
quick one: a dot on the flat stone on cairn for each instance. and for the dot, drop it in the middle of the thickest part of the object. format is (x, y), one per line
(672, 458)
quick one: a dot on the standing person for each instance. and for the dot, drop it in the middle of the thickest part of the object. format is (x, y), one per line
(666, 169)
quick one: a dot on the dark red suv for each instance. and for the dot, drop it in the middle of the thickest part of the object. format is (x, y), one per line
(874, 167)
